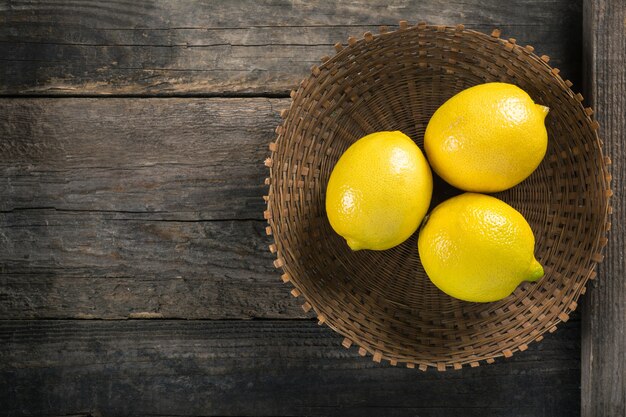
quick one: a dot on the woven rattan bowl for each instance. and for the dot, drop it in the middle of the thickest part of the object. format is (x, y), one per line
(383, 302)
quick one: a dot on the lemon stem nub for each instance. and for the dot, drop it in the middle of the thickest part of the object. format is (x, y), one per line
(354, 245)
(544, 110)
(535, 271)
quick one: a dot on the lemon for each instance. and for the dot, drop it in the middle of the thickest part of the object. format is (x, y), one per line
(379, 191)
(475, 247)
(487, 138)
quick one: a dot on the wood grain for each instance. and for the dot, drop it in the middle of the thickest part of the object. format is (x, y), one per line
(115, 265)
(604, 324)
(123, 208)
(236, 47)
(286, 368)
(182, 159)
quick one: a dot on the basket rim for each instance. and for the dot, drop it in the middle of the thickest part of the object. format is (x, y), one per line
(511, 46)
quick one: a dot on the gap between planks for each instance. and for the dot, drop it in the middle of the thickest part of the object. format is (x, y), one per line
(189, 94)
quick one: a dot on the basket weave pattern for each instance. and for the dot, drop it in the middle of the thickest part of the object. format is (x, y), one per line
(383, 302)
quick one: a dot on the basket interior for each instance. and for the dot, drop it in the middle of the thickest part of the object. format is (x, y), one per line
(383, 301)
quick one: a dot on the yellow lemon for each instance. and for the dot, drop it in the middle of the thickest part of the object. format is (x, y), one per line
(379, 191)
(475, 247)
(487, 138)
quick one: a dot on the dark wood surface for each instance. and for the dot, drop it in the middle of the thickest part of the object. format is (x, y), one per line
(114, 208)
(134, 276)
(171, 159)
(604, 324)
(261, 368)
(233, 47)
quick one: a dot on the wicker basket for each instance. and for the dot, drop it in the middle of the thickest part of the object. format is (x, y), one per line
(383, 302)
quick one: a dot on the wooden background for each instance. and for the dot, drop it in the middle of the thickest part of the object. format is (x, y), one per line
(134, 272)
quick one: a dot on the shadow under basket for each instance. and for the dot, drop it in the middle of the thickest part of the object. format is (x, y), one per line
(382, 302)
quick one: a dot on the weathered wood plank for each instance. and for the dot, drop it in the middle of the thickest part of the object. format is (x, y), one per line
(114, 265)
(196, 47)
(121, 207)
(287, 368)
(604, 321)
(182, 159)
